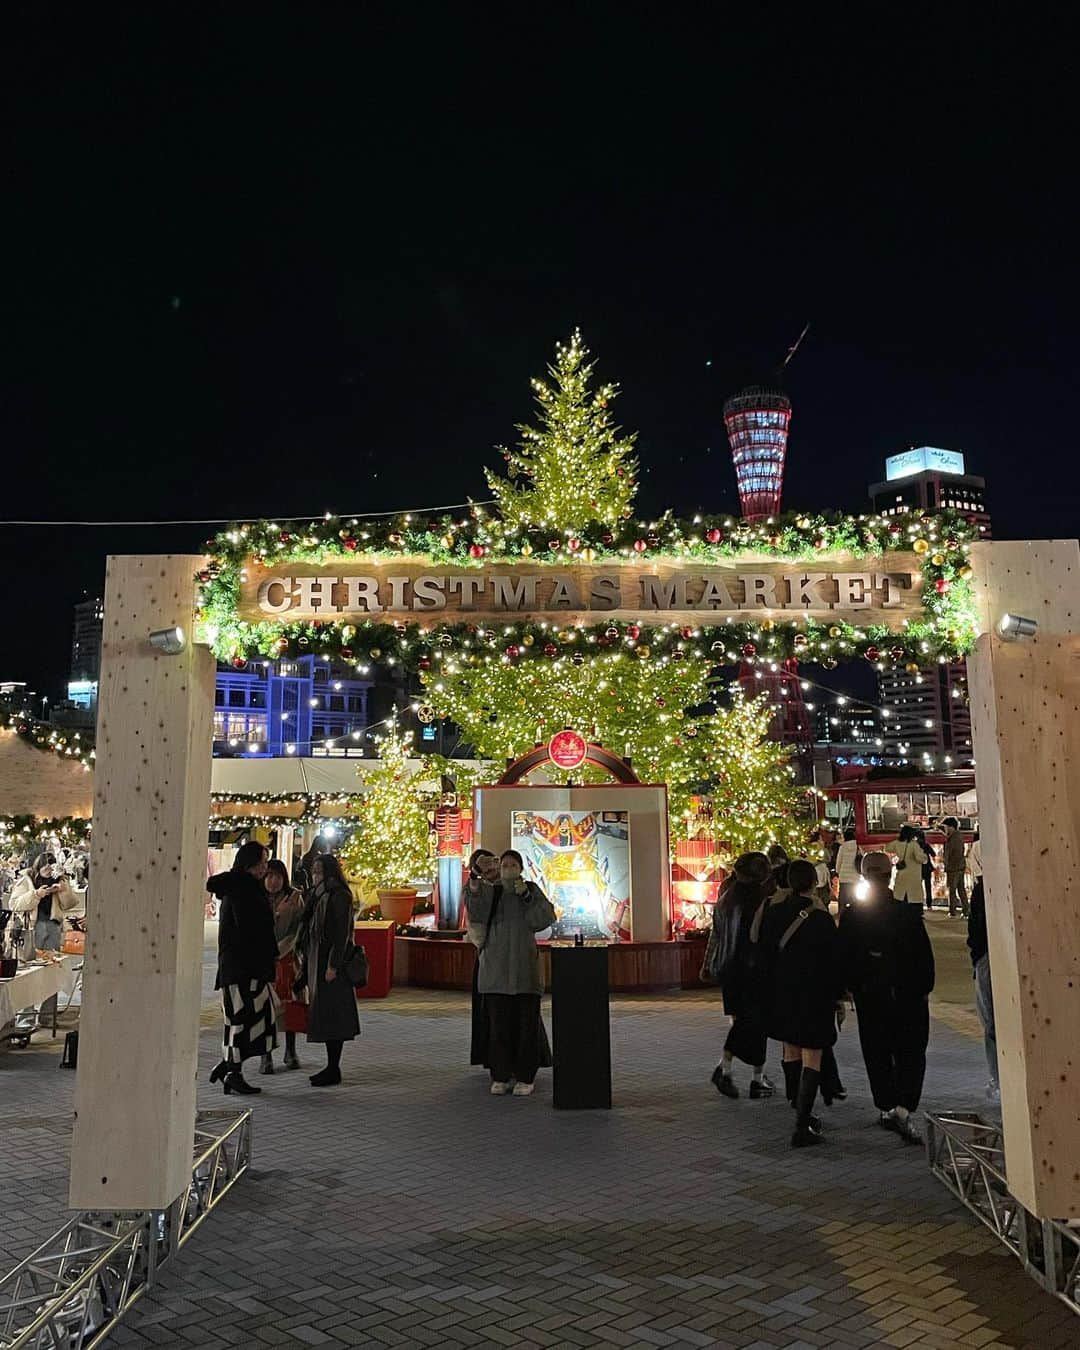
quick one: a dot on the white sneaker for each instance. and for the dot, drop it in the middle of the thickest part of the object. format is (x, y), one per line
(500, 1089)
(523, 1089)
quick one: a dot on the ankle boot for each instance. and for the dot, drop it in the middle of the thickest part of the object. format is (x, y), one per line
(808, 1086)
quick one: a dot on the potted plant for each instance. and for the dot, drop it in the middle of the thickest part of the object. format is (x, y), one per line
(390, 846)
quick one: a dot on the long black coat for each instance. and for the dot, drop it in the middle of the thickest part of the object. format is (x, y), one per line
(885, 949)
(806, 983)
(742, 983)
(247, 946)
(325, 930)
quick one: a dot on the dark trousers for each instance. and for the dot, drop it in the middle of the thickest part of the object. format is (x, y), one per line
(894, 1033)
(514, 1031)
(845, 894)
(928, 886)
(957, 892)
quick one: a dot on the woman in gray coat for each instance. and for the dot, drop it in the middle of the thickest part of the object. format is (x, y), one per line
(325, 931)
(512, 913)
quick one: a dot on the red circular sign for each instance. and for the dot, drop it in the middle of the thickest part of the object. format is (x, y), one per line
(567, 749)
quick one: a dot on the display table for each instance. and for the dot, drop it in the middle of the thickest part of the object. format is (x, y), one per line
(580, 1031)
(377, 939)
(633, 967)
(32, 985)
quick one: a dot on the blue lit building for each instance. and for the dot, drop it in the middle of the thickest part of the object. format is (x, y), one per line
(305, 706)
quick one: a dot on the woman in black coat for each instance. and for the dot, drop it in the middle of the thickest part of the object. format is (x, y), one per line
(742, 981)
(325, 931)
(247, 959)
(800, 941)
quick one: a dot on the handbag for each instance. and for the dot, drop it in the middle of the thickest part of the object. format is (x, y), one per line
(354, 965)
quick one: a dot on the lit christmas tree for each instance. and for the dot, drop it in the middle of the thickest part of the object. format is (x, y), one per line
(576, 468)
(391, 844)
(642, 708)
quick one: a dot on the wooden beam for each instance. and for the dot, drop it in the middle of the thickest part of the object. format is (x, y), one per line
(139, 1032)
(1025, 715)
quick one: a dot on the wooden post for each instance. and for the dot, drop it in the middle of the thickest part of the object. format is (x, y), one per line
(138, 1045)
(1025, 715)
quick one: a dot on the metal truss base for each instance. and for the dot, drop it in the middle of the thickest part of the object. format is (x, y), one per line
(75, 1288)
(967, 1154)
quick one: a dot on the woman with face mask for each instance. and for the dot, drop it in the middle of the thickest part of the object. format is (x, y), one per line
(512, 911)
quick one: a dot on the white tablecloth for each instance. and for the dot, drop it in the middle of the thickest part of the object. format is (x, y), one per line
(34, 986)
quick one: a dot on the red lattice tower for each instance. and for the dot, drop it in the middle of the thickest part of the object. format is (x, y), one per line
(790, 720)
(757, 422)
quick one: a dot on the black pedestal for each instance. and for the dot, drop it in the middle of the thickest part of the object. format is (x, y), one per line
(581, 1039)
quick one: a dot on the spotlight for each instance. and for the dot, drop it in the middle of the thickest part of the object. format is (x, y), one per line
(862, 889)
(171, 641)
(1013, 626)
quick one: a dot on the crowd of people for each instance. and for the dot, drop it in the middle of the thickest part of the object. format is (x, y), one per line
(281, 949)
(786, 968)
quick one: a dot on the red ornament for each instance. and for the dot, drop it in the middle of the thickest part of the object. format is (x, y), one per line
(941, 585)
(607, 540)
(476, 550)
(286, 538)
(896, 653)
(351, 543)
(573, 545)
(687, 632)
(640, 546)
(553, 545)
(715, 536)
(550, 649)
(749, 649)
(873, 653)
(894, 528)
(800, 639)
(347, 653)
(660, 701)
(239, 662)
(204, 575)
(424, 663)
(603, 640)
(513, 651)
(633, 632)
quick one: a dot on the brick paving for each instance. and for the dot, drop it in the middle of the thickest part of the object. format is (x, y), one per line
(409, 1208)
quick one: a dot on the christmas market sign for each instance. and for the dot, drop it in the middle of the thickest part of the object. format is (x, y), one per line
(416, 592)
(880, 590)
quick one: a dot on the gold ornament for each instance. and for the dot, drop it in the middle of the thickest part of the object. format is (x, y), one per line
(912, 668)
(526, 549)
(425, 713)
(768, 625)
(589, 554)
(528, 640)
(375, 653)
(964, 571)
(835, 632)
(938, 559)
(642, 653)
(921, 546)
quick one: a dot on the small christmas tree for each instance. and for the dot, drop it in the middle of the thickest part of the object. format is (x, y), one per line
(576, 468)
(391, 843)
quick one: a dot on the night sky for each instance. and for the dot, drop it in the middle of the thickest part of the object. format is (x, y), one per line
(269, 260)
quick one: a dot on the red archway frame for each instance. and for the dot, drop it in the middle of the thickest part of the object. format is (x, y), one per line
(619, 769)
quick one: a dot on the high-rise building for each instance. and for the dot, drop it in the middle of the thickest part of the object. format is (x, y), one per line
(926, 478)
(929, 721)
(757, 422)
(79, 709)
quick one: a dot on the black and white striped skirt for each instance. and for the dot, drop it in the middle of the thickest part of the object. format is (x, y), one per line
(250, 1026)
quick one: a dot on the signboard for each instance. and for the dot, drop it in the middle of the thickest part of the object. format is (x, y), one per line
(921, 459)
(880, 590)
(568, 749)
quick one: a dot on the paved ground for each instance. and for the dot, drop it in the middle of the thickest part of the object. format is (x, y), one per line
(409, 1208)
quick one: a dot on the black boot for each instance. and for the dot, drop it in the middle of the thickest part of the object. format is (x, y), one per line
(219, 1071)
(236, 1082)
(808, 1085)
(792, 1069)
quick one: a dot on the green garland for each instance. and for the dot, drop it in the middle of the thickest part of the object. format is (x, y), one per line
(946, 632)
(45, 737)
(21, 829)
